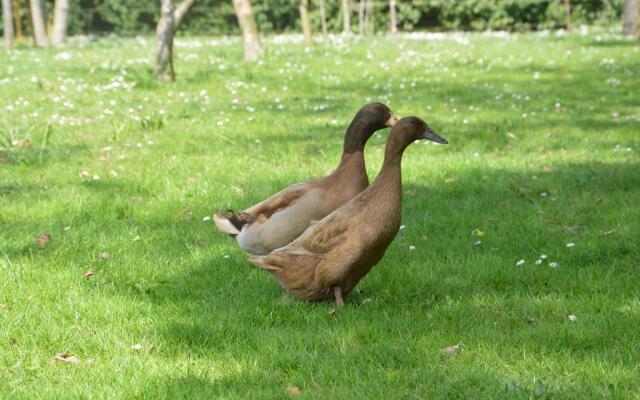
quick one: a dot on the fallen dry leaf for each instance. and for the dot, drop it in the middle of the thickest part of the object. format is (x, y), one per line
(88, 274)
(184, 215)
(547, 170)
(64, 357)
(42, 240)
(607, 233)
(292, 390)
(410, 192)
(572, 229)
(530, 320)
(452, 350)
(144, 346)
(21, 143)
(478, 232)
(13, 342)
(572, 318)
(104, 256)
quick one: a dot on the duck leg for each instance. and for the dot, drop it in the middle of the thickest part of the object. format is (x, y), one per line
(284, 297)
(337, 293)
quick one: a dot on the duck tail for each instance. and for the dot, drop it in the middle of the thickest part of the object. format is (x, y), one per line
(225, 224)
(230, 223)
(261, 262)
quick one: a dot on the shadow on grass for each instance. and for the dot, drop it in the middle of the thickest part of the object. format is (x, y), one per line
(613, 43)
(448, 289)
(37, 157)
(575, 200)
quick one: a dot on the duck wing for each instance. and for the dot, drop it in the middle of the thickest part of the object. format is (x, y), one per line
(232, 223)
(310, 265)
(280, 200)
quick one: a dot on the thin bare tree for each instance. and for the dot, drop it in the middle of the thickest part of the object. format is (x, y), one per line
(252, 47)
(7, 23)
(567, 14)
(304, 20)
(323, 18)
(346, 16)
(18, 20)
(630, 17)
(393, 21)
(60, 22)
(368, 17)
(38, 13)
(361, 5)
(170, 18)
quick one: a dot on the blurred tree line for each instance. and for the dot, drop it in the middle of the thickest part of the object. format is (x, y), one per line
(129, 17)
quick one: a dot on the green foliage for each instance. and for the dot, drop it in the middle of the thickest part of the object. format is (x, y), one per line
(513, 14)
(217, 16)
(120, 171)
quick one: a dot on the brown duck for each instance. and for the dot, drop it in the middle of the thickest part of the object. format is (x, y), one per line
(330, 257)
(282, 217)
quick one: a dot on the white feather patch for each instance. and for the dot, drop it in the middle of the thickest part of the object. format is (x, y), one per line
(225, 226)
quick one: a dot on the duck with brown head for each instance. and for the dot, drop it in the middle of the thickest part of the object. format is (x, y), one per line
(331, 257)
(282, 217)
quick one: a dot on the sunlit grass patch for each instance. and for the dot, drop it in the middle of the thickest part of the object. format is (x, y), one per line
(102, 159)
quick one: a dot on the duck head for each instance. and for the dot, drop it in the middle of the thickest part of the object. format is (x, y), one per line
(405, 132)
(377, 116)
(367, 121)
(412, 128)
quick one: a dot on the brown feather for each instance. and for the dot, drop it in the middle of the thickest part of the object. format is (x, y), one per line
(339, 250)
(282, 217)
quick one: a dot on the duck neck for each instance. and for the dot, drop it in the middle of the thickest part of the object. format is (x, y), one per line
(354, 140)
(393, 153)
(390, 175)
(351, 161)
(356, 136)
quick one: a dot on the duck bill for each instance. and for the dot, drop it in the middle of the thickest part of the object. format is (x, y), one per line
(431, 135)
(392, 120)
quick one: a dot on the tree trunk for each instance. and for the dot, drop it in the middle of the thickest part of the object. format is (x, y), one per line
(393, 23)
(18, 19)
(361, 17)
(165, 30)
(369, 17)
(346, 16)
(630, 17)
(181, 10)
(7, 21)
(304, 20)
(60, 21)
(170, 19)
(252, 47)
(323, 18)
(39, 26)
(567, 14)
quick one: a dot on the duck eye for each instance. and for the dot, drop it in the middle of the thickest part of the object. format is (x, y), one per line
(379, 108)
(413, 121)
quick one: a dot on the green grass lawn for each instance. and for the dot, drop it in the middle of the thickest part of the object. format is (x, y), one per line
(120, 172)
